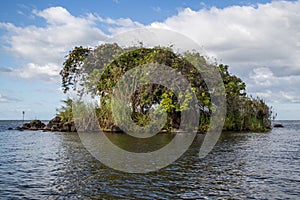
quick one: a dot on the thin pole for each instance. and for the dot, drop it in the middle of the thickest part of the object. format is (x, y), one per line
(23, 112)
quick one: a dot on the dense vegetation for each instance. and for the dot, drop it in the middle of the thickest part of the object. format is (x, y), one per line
(244, 113)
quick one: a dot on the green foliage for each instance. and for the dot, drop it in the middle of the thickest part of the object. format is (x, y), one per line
(72, 66)
(243, 113)
(65, 111)
(109, 62)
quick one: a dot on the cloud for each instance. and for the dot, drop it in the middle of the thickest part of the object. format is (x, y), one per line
(245, 36)
(115, 26)
(7, 99)
(260, 43)
(116, 1)
(275, 89)
(156, 9)
(44, 47)
(5, 70)
(47, 72)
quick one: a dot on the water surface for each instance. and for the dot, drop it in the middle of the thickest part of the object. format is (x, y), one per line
(47, 165)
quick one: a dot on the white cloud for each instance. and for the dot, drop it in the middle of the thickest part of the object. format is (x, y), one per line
(156, 9)
(115, 26)
(275, 89)
(7, 99)
(260, 43)
(44, 48)
(43, 71)
(243, 36)
(262, 76)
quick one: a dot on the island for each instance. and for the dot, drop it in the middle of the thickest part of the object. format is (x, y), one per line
(243, 112)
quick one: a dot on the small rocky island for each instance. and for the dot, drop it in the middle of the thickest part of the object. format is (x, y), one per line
(278, 126)
(243, 112)
(56, 124)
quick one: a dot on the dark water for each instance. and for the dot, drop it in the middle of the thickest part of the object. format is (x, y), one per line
(45, 165)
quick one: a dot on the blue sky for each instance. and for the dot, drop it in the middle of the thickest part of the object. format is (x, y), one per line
(258, 39)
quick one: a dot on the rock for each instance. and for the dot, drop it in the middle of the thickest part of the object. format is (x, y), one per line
(33, 125)
(56, 124)
(116, 129)
(278, 126)
(54, 128)
(69, 127)
(26, 126)
(10, 128)
(37, 124)
(55, 120)
(19, 128)
(73, 127)
(47, 128)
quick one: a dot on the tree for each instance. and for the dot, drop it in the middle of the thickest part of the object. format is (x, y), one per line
(109, 62)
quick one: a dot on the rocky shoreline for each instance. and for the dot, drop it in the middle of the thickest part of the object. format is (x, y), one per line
(56, 124)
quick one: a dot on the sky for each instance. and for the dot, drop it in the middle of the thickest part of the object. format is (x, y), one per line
(258, 39)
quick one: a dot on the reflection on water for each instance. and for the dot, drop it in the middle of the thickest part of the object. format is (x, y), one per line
(242, 165)
(138, 145)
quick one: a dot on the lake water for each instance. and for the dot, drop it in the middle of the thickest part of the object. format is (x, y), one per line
(47, 165)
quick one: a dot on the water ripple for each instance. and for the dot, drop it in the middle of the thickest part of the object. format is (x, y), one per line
(46, 165)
